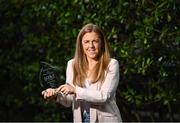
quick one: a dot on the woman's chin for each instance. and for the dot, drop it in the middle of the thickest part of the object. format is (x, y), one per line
(92, 56)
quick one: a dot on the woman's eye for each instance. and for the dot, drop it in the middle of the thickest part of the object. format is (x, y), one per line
(86, 41)
(96, 41)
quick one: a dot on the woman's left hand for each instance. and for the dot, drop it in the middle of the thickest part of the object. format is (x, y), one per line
(67, 89)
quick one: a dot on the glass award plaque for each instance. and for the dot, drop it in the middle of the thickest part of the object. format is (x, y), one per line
(49, 75)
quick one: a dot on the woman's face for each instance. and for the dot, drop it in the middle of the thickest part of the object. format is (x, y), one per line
(91, 45)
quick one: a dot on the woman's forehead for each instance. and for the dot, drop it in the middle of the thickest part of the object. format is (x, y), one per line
(90, 35)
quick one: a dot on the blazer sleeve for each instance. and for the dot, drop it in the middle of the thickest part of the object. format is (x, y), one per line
(69, 72)
(108, 88)
(63, 99)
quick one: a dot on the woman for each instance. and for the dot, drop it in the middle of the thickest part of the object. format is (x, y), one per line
(91, 80)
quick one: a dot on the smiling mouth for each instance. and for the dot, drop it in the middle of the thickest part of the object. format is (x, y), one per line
(91, 51)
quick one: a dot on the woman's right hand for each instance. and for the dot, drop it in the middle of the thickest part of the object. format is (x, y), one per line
(50, 92)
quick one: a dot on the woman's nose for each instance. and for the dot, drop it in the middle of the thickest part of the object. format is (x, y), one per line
(91, 44)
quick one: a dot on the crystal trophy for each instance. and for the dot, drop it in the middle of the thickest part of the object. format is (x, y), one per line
(49, 76)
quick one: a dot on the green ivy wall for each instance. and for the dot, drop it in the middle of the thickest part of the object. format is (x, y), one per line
(144, 36)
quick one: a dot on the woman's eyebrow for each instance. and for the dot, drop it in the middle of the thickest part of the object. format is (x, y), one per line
(85, 40)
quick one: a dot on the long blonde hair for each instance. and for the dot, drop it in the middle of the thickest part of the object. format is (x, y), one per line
(80, 64)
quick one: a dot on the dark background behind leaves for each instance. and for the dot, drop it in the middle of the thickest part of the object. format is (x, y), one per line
(144, 36)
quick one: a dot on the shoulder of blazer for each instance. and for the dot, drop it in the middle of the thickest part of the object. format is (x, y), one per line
(70, 61)
(112, 62)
